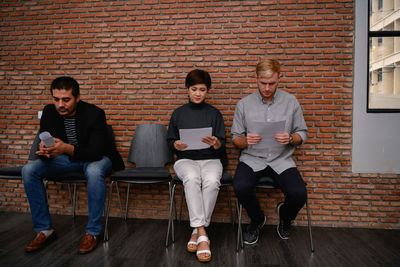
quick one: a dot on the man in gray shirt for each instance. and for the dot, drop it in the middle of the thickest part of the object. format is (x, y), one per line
(269, 104)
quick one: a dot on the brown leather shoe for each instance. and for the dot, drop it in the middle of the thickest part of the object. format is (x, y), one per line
(88, 243)
(40, 241)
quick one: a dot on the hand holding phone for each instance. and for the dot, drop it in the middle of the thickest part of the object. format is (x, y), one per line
(47, 139)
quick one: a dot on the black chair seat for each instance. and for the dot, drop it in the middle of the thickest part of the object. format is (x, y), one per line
(69, 177)
(267, 182)
(11, 172)
(143, 175)
(226, 179)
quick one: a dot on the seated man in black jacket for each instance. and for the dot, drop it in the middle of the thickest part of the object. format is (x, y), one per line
(79, 130)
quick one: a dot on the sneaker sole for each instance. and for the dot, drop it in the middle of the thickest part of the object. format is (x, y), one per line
(251, 243)
(277, 230)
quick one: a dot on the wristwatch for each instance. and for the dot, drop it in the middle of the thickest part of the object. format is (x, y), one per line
(290, 139)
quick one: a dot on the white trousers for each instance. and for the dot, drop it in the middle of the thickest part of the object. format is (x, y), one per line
(201, 181)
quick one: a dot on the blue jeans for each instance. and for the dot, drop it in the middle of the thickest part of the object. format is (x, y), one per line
(34, 172)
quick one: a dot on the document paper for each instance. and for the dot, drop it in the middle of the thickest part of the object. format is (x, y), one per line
(267, 130)
(192, 137)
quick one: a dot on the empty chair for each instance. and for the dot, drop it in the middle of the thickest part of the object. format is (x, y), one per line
(149, 152)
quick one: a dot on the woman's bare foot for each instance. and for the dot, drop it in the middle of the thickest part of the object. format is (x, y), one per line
(203, 245)
(206, 255)
(192, 244)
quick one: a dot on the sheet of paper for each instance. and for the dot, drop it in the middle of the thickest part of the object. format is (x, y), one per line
(192, 137)
(267, 130)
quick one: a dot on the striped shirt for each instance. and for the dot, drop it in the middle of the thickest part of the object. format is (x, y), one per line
(70, 130)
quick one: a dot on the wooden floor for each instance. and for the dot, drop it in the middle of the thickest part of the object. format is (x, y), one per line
(142, 243)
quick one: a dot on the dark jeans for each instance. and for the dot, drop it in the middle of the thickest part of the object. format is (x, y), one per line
(290, 182)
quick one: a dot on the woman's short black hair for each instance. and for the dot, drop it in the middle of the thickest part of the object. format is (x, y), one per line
(198, 77)
(66, 83)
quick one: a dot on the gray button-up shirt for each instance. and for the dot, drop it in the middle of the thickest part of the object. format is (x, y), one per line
(284, 106)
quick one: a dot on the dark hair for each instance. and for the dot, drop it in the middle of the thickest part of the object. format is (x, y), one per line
(66, 83)
(198, 77)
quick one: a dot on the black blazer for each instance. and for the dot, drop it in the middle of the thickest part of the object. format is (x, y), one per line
(91, 130)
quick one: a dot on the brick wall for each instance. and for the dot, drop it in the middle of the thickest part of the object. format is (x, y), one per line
(131, 58)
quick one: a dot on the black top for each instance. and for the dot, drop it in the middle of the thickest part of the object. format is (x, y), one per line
(191, 116)
(94, 142)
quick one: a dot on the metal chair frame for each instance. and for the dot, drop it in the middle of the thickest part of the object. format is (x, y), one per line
(150, 169)
(267, 183)
(226, 181)
(72, 177)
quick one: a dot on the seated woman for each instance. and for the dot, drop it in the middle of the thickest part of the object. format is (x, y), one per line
(199, 169)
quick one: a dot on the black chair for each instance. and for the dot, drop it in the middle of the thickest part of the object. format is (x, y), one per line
(269, 183)
(69, 178)
(14, 173)
(150, 152)
(226, 181)
(75, 177)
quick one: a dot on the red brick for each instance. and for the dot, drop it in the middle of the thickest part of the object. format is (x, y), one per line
(131, 58)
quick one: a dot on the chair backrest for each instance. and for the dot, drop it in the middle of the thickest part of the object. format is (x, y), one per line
(149, 146)
(34, 148)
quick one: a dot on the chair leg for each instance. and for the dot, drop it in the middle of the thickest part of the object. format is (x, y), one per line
(127, 201)
(108, 211)
(71, 200)
(175, 213)
(74, 201)
(171, 219)
(309, 226)
(119, 200)
(239, 238)
(70, 194)
(180, 212)
(46, 184)
(230, 205)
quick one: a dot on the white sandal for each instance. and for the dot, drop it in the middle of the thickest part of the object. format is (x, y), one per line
(188, 248)
(203, 238)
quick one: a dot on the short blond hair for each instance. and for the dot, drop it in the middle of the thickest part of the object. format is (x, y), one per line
(267, 67)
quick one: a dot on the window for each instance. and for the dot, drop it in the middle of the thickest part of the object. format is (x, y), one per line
(375, 136)
(379, 75)
(384, 56)
(380, 4)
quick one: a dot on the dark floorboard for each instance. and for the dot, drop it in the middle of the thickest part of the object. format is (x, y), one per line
(142, 243)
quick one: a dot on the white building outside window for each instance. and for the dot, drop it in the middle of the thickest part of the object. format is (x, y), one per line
(384, 56)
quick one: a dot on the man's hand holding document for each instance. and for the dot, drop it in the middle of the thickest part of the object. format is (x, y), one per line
(266, 132)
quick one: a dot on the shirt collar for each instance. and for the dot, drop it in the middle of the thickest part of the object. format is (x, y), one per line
(274, 98)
